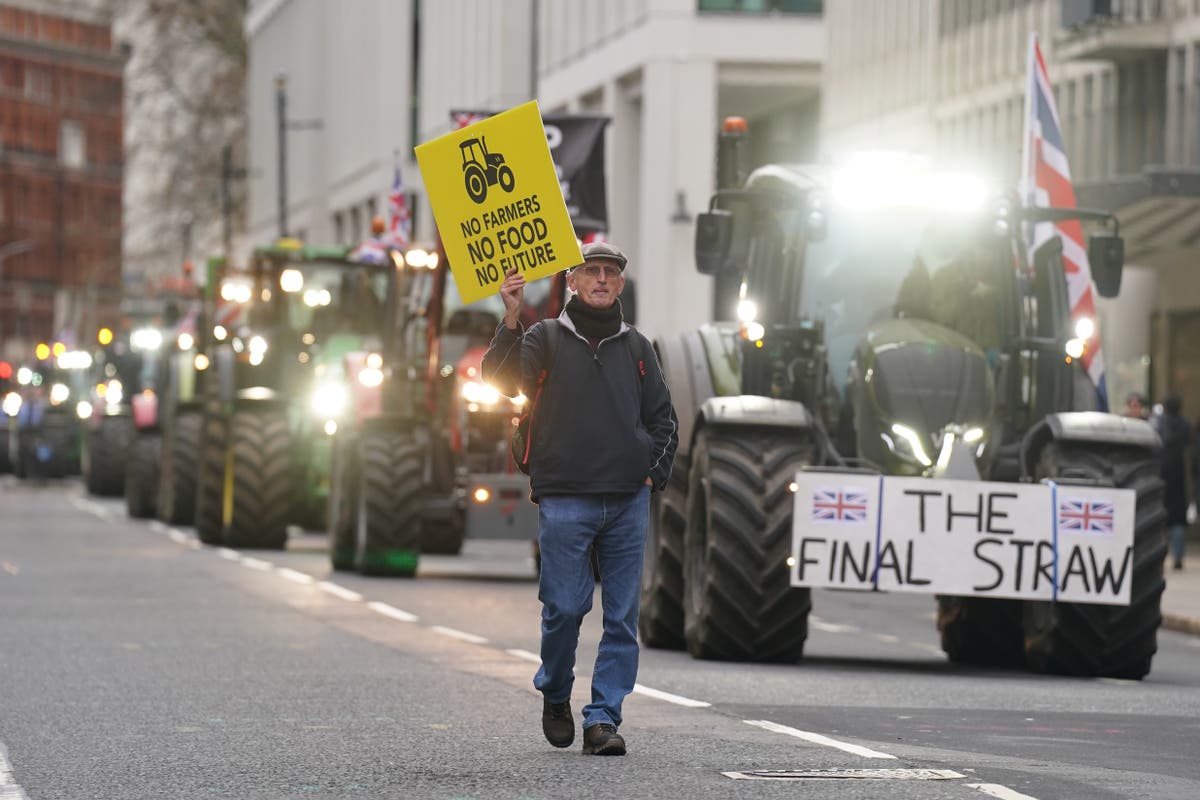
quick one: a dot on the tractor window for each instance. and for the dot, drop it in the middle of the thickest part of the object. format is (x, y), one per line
(906, 263)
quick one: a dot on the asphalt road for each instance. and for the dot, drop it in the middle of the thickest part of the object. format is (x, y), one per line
(135, 663)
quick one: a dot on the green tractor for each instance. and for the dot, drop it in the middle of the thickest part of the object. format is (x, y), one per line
(901, 405)
(275, 388)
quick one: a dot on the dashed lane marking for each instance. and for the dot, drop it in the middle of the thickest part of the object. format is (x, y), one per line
(816, 738)
(846, 774)
(294, 575)
(256, 563)
(9, 790)
(670, 698)
(340, 591)
(454, 633)
(391, 612)
(998, 791)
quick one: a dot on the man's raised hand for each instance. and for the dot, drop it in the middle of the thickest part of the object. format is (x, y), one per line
(512, 292)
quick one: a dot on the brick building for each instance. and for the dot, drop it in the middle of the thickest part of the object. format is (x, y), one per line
(61, 86)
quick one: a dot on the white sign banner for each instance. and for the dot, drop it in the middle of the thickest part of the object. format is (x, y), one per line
(973, 538)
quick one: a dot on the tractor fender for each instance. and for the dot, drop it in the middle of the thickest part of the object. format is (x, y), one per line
(754, 411)
(685, 367)
(1085, 426)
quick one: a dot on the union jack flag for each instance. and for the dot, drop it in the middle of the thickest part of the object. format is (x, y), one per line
(844, 506)
(399, 220)
(1046, 181)
(1085, 516)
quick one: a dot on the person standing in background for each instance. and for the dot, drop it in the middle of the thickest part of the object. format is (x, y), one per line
(1176, 435)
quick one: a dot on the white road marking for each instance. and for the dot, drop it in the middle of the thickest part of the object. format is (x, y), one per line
(9, 790)
(294, 575)
(1002, 792)
(842, 774)
(391, 611)
(457, 634)
(670, 698)
(256, 563)
(817, 738)
(226, 553)
(340, 591)
(525, 655)
(829, 627)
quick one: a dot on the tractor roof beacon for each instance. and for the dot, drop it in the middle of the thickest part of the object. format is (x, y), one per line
(890, 325)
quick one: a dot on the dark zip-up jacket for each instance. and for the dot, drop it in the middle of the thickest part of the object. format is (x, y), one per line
(600, 425)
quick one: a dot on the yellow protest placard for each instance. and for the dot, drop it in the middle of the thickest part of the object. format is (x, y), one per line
(497, 201)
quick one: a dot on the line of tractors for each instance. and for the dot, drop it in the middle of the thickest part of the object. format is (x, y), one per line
(324, 389)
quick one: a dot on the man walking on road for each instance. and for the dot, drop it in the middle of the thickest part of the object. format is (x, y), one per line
(602, 435)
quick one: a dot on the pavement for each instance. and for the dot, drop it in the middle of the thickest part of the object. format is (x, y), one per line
(1181, 600)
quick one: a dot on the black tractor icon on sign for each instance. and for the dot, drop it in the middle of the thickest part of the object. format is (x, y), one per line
(482, 169)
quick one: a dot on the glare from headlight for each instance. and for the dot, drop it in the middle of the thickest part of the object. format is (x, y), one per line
(291, 280)
(146, 339)
(479, 392)
(59, 393)
(11, 404)
(369, 376)
(914, 442)
(83, 409)
(329, 400)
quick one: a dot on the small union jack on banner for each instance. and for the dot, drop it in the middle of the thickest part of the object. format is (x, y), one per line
(1085, 516)
(840, 506)
(1046, 181)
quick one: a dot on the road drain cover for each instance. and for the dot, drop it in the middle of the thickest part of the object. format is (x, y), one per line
(845, 774)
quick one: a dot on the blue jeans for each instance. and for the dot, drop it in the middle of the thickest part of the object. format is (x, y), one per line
(568, 525)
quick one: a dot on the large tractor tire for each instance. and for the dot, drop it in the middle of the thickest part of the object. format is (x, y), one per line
(210, 477)
(444, 537)
(981, 630)
(105, 450)
(343, 503)
(1103, 640)
(263, 482)
(738, 602)
(660, 623)
(388, 524)
(177, 477)
(141, 475)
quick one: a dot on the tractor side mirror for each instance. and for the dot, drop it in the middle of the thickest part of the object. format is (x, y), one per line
(714, 239)
(1106, 256)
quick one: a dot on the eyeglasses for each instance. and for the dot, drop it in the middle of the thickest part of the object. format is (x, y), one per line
(593, 270)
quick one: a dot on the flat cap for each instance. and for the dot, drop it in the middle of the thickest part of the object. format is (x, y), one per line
(604, 251)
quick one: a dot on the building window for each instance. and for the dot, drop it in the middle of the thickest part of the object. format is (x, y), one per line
(71, 148)
(763, 6)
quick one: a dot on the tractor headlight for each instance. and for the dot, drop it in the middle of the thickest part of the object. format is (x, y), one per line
(83, 409)
(148, 339)
(11, 404)
(907, 443)
(479, 392)
(59, 393)
(329, 400)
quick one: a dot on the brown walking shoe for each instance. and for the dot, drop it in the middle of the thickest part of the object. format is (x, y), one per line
(602, 740)
(557, 723)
